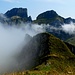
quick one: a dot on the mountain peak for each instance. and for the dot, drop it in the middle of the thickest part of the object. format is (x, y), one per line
(22, 12)
(47, 14)
(49, 17)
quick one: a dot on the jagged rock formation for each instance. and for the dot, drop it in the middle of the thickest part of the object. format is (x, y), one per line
(16, 16)
(21, 12)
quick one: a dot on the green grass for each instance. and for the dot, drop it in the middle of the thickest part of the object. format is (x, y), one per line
(59, 61)
(71, 41)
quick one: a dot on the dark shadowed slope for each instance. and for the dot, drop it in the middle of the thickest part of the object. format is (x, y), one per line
(43, 49)
(43, 54)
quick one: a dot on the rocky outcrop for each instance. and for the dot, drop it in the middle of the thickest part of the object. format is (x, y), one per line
(21, 12)
(18, 15)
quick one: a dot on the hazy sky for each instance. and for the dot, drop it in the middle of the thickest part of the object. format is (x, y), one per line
(65, 8)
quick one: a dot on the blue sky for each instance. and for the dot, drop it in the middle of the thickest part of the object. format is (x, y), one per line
(65, 8)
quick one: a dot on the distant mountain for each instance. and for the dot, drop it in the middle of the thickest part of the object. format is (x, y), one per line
(52, 18)
(16, 15)
(69, 20)
(19, 15)
(56, 21)
(21, 12)
(49, 17)
(45, 53)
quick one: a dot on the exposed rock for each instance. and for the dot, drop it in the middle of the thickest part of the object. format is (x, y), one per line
(22, 12)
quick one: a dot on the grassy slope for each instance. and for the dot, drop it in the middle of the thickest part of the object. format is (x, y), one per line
(71, 41)
(60, 60)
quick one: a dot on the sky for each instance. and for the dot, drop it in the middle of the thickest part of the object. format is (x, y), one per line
(65, 8)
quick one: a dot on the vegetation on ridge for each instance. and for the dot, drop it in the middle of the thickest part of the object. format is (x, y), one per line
(59, 61)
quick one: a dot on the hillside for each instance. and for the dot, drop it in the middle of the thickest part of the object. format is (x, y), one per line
(71, 47)
(46, 55)
(71, 41)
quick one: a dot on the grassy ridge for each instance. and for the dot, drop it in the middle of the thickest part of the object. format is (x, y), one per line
(71, 41)
(59, 60)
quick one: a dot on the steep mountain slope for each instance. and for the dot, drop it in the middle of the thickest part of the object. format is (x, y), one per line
(21, 12)
(71, 41)
(46, 54)
(71, 47)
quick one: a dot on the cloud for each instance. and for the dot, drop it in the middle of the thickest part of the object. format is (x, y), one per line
(69, 28)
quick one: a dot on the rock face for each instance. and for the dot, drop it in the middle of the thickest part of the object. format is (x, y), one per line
(39, 48)
(21, 12)
(31, 54)
(18, 15)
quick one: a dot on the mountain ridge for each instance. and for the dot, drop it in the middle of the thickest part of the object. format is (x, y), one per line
(17, 16)
(48, 16)
(49, 54)
(51, 17)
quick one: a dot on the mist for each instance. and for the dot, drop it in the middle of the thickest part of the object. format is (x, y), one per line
(69, 28)
(12, 40)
